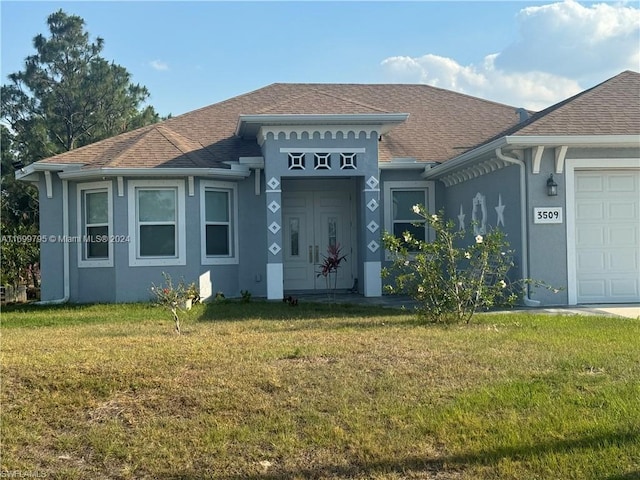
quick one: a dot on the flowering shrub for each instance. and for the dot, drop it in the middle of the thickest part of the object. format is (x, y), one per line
(174, 297)
(451, 280)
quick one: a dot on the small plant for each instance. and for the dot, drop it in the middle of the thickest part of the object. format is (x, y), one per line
(246, 296)
(193, 292)
(173, 297)
(331, 264)
(449, 278)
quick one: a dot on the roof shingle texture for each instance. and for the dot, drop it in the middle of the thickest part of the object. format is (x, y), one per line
(610, 108)
(442, 124)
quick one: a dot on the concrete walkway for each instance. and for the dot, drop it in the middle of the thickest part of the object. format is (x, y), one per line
(396, 301)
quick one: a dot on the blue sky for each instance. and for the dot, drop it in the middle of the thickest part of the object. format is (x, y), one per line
(193, 54)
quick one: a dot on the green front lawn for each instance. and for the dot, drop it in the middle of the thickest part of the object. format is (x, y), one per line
(268, 391)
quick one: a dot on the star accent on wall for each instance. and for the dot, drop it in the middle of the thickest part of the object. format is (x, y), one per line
(500, 211)
(461, 216)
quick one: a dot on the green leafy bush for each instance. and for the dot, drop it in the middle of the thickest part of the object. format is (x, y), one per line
(451, 277)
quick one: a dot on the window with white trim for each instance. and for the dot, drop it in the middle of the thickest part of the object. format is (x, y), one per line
(218, 219)
(400, 198)
(95, 224)
(157, 222)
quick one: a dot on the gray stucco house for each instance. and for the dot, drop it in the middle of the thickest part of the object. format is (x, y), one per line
(247, 194)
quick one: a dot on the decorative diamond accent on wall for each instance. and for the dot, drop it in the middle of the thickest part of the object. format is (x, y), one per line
(273, 183)
(373, 226)
(274, 206)
(274, 227)
(274, 248)
(372, 205)
(372, 182)
(373, 246)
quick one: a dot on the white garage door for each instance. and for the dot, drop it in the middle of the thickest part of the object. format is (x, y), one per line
(607, 221)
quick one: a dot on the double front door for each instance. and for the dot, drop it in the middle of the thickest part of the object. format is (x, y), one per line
(313, 222)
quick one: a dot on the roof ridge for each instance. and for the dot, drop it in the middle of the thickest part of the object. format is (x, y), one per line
(356, 102)
(116, 159)
(222, 102)
(419, 85)
(286, 101)
(187, 150)
(105, 141)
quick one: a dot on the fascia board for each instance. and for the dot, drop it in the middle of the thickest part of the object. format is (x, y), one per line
(461, 160)
(574, 140)
(235, 172)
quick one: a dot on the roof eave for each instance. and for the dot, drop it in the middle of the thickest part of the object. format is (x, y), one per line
(236, 172)
(434, 172)
(30, 172)
(515, 141)
(573, 140)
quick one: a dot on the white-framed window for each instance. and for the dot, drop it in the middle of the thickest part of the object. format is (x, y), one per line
(95, 224)
(156, 222)
(218, 222)
(400, 197)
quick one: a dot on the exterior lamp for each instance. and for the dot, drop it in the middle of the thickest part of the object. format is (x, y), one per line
(552, 186)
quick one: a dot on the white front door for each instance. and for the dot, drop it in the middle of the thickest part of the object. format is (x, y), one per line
(607, 236)
(314, 221)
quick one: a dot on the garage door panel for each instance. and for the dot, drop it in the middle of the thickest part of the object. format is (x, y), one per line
(590, 236)
(625, 211)
(621, 183)
(623, 260)
(623, 236)
(607, 236)
(589, 183)
(592, 288)
(591, 261)
(590, 211)
(623, 287)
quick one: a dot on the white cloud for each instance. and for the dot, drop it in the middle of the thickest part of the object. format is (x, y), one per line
(563, 48)
(159, 65)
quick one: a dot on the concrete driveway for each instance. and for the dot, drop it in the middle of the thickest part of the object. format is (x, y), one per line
(614, 310)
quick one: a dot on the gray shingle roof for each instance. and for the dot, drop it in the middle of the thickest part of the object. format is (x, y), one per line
(442, 124)
(610, 108)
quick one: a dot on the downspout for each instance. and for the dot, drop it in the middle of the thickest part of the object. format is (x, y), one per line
(523, 223)
(65, 249)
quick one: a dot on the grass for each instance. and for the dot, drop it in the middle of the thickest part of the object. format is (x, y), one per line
(266, 391)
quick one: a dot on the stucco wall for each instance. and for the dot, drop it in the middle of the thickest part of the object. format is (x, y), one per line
(501, 192)
(51, 253)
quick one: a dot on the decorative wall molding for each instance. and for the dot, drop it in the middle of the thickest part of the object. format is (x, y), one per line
(274, 248)
(479, 214)
(461, 217)
(474, 171)
(500, 211)
(308, 133)
(323, 150)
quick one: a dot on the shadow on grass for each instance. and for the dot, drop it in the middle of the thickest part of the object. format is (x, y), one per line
(233, 310)
(455, 463)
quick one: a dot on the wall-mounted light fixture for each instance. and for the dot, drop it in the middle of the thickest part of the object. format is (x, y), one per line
(552, 186)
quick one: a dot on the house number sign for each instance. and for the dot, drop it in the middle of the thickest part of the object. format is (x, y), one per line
(547, 215)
